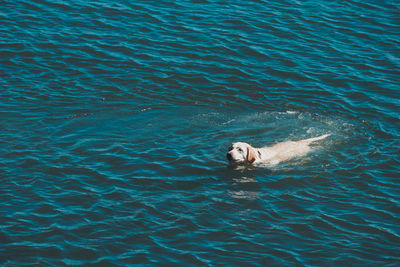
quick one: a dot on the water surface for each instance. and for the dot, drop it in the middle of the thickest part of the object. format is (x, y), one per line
(116, 117)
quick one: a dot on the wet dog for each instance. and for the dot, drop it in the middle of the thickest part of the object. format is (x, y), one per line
(243, 153)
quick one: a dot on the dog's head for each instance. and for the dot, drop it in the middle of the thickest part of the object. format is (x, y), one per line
(241, 153)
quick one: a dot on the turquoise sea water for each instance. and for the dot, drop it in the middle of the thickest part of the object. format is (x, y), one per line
(116, 117)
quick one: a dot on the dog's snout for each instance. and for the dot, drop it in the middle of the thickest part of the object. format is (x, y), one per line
(229, 156)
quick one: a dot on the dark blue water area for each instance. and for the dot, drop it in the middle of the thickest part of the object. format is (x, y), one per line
(116, 116)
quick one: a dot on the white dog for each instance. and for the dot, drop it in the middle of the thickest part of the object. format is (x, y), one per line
(244, 153)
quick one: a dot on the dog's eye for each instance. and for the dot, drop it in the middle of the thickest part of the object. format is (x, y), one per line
(240, 150)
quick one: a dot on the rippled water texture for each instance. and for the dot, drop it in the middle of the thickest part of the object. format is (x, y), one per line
(116, 117)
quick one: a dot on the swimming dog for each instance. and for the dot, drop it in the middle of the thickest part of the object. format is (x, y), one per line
(243, 153)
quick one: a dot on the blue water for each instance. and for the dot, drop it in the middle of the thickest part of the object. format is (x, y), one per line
(116, 117)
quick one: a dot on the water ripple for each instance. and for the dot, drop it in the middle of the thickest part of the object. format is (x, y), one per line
(115, 119)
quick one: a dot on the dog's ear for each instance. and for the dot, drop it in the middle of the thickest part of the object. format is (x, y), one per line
(251, 154)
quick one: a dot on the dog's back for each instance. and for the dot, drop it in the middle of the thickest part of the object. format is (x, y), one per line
(290, 149)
